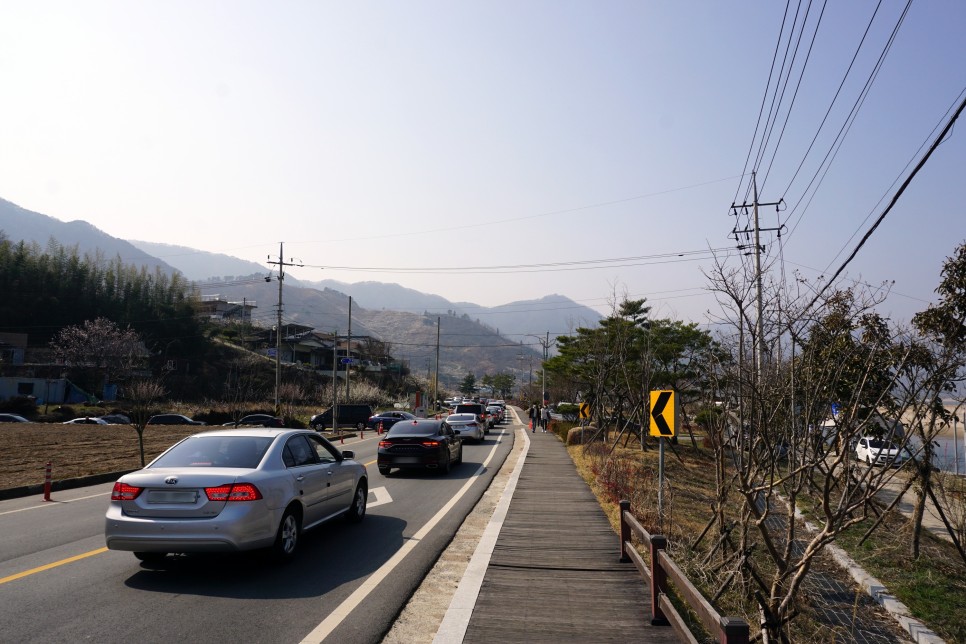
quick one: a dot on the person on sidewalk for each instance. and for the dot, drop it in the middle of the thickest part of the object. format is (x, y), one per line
(534, 417)
(544, 418)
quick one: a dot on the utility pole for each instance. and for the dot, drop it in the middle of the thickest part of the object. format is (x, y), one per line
(545, 343)
(756, 234)
(281, 263)
(436, 375)
(348, 349)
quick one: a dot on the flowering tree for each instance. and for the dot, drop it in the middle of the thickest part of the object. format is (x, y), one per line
(100, 345)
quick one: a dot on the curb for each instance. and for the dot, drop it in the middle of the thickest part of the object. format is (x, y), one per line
(918, 631)
(63, 484)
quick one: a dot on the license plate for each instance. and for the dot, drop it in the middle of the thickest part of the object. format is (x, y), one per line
(407, 459)
(172, 496)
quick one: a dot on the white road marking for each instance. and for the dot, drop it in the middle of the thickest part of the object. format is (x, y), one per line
(343, 610)
(54, 503)
(382, 497)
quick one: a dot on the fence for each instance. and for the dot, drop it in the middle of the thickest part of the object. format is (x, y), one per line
(662, 571)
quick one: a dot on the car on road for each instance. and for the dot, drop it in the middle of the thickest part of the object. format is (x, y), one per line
(261, 420)
(173, 419)
(496, 413)
(86, 420)
(878, 451)
(420, 444)
(234, 490)
(475, 408)
(467, 426)
(349, 415)
(388, 419)
(12, 418)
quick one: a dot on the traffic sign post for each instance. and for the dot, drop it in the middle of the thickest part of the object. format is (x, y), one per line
(663, 415)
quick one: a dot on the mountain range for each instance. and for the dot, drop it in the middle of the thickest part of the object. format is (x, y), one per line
(473, 338)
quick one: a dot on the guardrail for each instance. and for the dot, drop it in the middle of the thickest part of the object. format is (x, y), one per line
(662, 571)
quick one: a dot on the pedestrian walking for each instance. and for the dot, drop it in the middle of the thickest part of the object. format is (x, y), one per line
(534, 417)
(544, 418)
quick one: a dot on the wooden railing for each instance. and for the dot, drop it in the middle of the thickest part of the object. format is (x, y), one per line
(659, 572)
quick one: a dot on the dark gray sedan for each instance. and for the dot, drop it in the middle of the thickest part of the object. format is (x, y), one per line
(234, 490)
(420, 444)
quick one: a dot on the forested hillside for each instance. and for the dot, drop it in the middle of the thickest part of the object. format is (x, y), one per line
(44, 290)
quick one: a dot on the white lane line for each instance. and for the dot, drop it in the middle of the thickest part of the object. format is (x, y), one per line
(457, 618)
(54, 503)
(343, 610)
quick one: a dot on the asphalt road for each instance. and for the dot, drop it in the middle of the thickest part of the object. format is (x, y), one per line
(59, 584)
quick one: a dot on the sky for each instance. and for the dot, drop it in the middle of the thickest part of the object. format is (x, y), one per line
(492, 152)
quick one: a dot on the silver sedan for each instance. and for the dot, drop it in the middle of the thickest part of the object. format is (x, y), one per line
(466, 425)
(234, 490)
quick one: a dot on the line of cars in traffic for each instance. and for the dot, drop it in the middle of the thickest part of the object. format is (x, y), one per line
(238, 489)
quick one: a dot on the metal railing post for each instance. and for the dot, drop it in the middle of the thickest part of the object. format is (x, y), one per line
(658, 580)
(625, 535)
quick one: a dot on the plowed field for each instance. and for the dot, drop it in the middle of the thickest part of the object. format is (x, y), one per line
(77, 450)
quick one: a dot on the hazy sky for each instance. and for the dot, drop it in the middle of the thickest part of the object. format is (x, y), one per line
(446, 135)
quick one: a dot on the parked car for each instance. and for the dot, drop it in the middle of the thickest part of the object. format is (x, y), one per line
(877, 451)
(86, 420)
(233, 490)
(467, 426)
(350, 415)
(388, 419)
(12, 418)
(262, 420)
(116, 419)
(173, 419)
(418, 444)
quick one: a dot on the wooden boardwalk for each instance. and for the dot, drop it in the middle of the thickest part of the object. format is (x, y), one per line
(554, 574)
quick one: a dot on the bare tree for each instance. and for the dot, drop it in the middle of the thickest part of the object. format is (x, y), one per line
(777, 442)
(143, 396)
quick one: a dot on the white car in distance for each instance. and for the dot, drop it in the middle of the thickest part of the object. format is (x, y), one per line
(878, 451)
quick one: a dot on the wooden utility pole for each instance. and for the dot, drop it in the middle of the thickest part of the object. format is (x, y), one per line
(281, 263)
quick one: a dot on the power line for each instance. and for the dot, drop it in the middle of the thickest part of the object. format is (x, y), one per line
(895, 199)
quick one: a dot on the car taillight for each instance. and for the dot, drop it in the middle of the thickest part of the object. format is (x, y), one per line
(430, 443)
(385, 444)
(125, 492)
(233, 492)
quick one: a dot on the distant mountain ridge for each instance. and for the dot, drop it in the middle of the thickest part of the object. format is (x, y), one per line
(490, 339)
(20, 224)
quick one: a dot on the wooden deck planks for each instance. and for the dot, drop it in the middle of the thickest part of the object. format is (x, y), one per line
(554, 574)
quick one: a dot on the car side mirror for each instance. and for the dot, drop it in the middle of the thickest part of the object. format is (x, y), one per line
(348, 454)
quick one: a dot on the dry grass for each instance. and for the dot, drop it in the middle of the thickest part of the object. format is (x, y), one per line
(934, 587)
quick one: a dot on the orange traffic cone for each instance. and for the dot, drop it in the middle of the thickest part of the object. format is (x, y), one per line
(380, 426)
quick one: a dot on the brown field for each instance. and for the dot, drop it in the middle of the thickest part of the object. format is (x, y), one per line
(77, 450)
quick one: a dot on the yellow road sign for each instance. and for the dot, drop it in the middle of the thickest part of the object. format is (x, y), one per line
(584, 411)
(663, 413)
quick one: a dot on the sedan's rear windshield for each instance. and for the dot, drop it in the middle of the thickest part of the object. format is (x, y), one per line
(408, 429)
(216, 451)
(461, 418)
